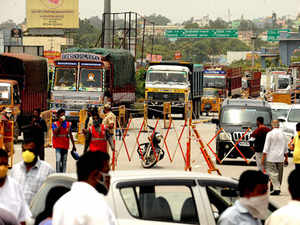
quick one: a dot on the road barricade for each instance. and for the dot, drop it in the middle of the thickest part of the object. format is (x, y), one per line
(7, 139)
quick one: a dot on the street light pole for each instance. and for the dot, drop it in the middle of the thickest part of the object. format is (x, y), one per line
(107, 27)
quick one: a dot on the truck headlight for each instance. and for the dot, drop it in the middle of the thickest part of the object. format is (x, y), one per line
(225, 136)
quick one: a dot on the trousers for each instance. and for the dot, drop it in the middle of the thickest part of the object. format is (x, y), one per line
(275, 172)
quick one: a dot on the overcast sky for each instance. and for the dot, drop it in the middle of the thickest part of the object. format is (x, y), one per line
(176, 10)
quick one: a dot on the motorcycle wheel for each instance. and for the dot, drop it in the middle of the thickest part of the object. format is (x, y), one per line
(149, 161)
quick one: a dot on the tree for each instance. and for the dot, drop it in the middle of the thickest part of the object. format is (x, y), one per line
(9, 24)
(218, 24)
(96, 22)
(158, 19)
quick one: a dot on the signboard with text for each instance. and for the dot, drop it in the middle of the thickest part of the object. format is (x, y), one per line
(202, 33)
(274, 34)
(52, 14)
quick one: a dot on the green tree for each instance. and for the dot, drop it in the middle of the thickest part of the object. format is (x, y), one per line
(158, 19)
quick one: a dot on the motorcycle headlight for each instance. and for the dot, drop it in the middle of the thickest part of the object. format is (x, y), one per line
(225, 136)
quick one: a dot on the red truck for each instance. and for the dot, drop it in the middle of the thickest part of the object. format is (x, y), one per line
(23, 86)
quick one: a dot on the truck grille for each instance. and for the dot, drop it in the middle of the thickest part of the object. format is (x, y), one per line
(237, 135)
(165, 96)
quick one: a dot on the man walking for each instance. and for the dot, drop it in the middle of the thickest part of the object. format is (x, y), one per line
(252, 206)
(275, 153)
(39, 127)
(289, 214)
(93, 183)
(62, 133)
(11, 193)
(31, 172)
(259, 134)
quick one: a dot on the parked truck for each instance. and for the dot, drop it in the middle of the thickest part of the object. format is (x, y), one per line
(174, 82)
(84, 77)
(23, 86)
(219, 82)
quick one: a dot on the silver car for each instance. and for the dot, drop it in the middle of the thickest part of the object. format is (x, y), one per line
(158, 197)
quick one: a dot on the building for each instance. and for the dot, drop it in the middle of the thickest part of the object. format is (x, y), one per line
(245, 36)
(50, 43)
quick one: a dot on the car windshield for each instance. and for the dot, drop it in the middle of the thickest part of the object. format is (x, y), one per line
(294, 115)
(276, 113)
(178, 77)
(65, 79)
(237, 116)
(90, 80)
(283, 83)
(5, 96)
(211, 81)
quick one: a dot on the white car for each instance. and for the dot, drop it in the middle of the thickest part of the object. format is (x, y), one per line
(279, 109)
(288, 124)
(158, 197)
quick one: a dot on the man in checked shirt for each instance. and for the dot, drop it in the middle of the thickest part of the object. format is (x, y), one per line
(31, 172)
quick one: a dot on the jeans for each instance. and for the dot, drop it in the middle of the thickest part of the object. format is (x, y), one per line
(258, 156)
(61, 160)
(275, 172)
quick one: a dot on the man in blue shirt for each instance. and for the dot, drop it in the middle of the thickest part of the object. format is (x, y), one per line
(252, 206)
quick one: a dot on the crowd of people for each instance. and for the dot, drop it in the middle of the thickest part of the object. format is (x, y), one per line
(82, 204)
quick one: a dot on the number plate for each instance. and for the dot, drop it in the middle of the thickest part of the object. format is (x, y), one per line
(244, 144)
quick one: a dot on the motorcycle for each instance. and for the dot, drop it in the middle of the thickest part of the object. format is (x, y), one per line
(147, 150)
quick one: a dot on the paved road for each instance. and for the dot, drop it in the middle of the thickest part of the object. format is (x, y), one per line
(231, 168)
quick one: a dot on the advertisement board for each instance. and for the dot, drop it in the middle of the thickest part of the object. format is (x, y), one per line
(52, 14)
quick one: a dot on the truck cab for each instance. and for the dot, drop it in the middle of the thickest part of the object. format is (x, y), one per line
(167, 83)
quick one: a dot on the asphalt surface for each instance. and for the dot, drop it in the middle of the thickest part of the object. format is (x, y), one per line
(128, 160)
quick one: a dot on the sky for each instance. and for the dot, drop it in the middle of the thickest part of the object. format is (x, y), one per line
(176, 10)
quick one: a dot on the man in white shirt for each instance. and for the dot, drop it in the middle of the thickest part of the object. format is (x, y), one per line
(289, 214)
(274, 154)
(85, 203)
(11, 195)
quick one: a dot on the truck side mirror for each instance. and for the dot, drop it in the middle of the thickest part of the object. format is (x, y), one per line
(215, 121)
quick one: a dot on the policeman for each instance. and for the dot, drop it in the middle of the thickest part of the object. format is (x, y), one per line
(97, 136)
(110, 121)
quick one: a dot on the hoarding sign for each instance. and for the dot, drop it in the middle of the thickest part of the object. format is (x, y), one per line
(81, 56)
(154, 58)
(274, 34)
(52, 14)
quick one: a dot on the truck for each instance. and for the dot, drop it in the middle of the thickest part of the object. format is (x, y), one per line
(85, 77)
(23, 86)
(219, 82)
(176, 82)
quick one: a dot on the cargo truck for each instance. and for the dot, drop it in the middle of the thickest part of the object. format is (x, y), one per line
(23, 86)
(84, 77)
(219, 82)
(174, 82)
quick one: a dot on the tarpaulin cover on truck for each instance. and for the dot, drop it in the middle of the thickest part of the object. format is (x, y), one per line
(30, 71)
(121, 60)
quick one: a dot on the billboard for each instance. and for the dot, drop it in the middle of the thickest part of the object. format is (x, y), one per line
(52, 14)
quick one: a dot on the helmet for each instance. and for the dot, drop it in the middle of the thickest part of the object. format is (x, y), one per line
(75, 155)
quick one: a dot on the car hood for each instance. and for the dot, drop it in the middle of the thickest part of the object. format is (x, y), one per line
(238, 128)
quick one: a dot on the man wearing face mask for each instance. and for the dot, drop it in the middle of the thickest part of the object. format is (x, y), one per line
(96, 139)
(31, 172)
(62, 133)
(252, 207)
(11, 194)
(39, 127)
(93, 183)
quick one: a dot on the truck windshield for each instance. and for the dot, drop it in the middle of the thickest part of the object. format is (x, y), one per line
(210, 81)
(90, 79)
(164, 77)
(5, 96)
(238, 116)
(294, 115)
(65, 79)
(283, 83)
(210, 92)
